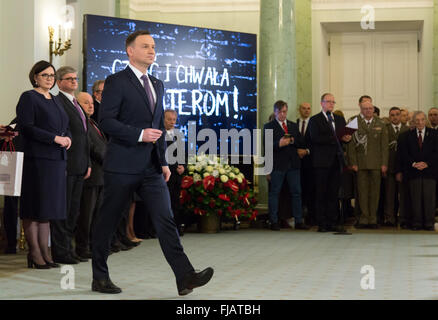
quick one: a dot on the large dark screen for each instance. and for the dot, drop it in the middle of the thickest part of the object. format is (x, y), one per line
(209, 75)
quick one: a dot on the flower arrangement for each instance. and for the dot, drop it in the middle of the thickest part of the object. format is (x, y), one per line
(211, 187)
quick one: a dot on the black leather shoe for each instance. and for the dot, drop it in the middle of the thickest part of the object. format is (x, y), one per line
(84, 254)
(129, 243)
(181, 229)
(105, 286)
(275, 227)
(301, 226)
(194, 280)
(125, 247)
(115, 247)
(65, 260)
(80, 259)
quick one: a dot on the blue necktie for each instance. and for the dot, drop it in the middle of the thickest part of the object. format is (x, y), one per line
(148, 90)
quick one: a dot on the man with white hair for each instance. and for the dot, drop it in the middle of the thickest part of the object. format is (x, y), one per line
(420, 156)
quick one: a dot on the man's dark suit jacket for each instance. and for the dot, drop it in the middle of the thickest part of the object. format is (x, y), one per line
(124, 112)
(39, 124)
(95, 115)
(97, 154)
(323, 146)
(285, 158)
(428, 154)
(306, 161)
(79, 152)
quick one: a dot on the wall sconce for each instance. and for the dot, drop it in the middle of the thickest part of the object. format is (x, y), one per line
(58, 48)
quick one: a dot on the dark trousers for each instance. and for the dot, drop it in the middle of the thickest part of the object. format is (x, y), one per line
(293, 179)
(174, 186)
(423, 201)
(90, 204)
(10, 220)
(63, 231)
(327, 183)
(118, 190)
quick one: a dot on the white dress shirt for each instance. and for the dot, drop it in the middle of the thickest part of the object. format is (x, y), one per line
(139, 74)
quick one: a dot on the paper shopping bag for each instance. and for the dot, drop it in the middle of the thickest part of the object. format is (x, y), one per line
(11, 171)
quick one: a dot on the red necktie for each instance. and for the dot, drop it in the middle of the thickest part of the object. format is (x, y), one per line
(285, 128)
(97, 129)
(302, 127)
(420, 140)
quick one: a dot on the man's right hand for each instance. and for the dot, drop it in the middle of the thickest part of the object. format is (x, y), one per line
(355, 168)
(286, 141)
(151, 135)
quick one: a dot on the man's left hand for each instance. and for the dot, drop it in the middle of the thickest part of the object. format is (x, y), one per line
(166, 173)
(88, 174)
(302, 153)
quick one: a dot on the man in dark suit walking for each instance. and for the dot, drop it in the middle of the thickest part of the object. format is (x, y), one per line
(420, 156)
(132, 115)
(288, 147)
(78, 168)
(328, 161)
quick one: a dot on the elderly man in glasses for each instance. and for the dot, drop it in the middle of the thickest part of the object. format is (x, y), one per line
(78, 168)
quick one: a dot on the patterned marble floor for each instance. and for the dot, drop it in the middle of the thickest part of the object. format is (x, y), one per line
(254, 264)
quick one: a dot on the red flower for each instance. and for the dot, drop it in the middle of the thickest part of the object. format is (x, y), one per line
(212, 203)
(219, 212)
(184, 196)
(244, 184)
(187, 181)
(208, 183)
(224, 197)
(198, 183)
(236, 213)
(199, 199)
(232, 185)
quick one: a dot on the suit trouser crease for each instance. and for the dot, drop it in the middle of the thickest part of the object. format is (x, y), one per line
(118, 189)
(63, 231)
(293, 180)
(327, 184)
(423, 201)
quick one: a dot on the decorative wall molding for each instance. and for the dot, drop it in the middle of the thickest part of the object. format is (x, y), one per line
(378, 4)
(191, 6)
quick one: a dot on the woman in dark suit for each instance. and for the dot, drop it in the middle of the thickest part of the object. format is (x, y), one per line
(43, 125)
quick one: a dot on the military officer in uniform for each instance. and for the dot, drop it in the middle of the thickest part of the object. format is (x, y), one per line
(368, 156)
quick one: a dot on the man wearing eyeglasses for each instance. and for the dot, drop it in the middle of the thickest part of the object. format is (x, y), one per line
(97, 98)
(325, 129)
(78, 168)
(368, 156)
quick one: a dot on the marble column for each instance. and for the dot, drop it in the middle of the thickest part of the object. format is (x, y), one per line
(277, 67)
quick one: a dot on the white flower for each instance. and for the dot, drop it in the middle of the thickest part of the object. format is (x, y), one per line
(215, 173)
(239, 179)
(206, 174)
(221, 171)
(232, 175)
(224, 178)
(209, 169)
(236, 170)
(197, 177)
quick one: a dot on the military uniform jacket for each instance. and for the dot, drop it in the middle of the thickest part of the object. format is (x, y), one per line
(368, 148)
